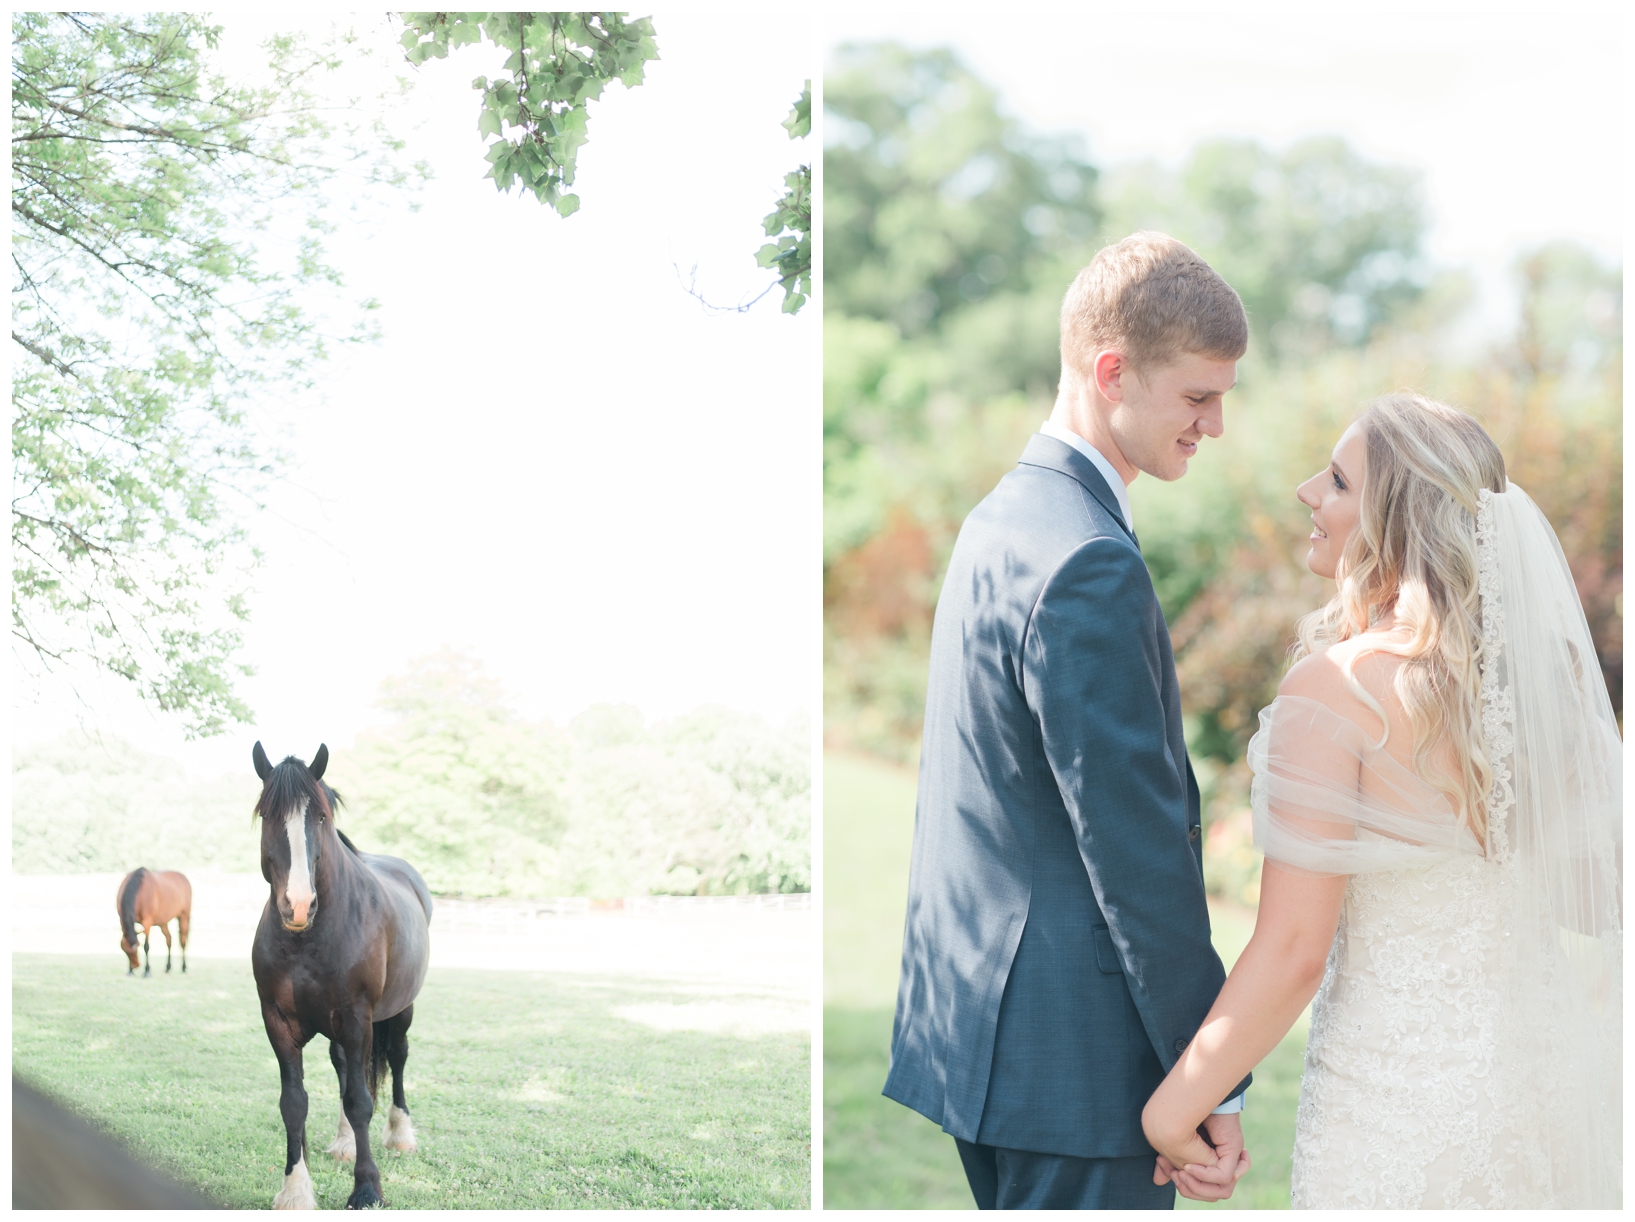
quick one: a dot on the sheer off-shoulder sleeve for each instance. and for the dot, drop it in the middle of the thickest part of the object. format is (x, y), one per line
(1327, 800)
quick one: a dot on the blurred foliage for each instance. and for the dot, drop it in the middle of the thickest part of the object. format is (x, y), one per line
(930, 392)
(93, 804)
(1321, 244)
(940, 212)
(484, 802)
(481, 801)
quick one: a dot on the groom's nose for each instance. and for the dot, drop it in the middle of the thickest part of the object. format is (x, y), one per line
(1210, 422)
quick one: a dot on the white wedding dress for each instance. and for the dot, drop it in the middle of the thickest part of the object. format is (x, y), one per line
(1465, 1046)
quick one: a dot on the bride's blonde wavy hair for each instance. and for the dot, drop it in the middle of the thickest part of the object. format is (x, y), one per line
(1413, 551)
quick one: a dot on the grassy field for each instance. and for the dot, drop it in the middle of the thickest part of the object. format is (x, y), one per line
(878, 1154)
(528, 1091)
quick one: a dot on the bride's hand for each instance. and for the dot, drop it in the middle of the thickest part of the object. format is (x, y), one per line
(1214, 1183)
(1176, 1139)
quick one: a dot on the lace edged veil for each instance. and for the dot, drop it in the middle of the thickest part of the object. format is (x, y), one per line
(1555, 814)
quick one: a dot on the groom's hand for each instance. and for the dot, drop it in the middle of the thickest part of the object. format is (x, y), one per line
(1212, 1182)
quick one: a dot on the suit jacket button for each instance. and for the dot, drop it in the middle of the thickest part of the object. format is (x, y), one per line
(1180, 1045)
(1193, 833)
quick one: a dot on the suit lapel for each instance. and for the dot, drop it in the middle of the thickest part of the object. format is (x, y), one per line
(1056, 455)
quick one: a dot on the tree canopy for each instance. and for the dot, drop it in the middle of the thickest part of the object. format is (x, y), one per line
(536, 116)
(164, 226)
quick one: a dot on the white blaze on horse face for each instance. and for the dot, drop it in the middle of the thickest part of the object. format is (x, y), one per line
(299, 887)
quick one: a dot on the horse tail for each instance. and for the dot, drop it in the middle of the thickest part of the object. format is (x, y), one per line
(127, 903)
(377, 1058)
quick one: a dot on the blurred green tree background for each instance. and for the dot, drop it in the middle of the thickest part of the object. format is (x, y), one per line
(951, 233)
(482, 801)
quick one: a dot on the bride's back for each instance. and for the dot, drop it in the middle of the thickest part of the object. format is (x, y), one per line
(1356, 680)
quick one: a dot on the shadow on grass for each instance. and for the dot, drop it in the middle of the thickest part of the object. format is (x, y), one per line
(878, 1154)
(527, 1091)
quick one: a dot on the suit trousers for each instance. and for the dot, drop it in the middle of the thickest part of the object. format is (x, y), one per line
(1025, 1179)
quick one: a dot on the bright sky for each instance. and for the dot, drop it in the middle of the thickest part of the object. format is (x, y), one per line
(1515, 119)
(555, 459)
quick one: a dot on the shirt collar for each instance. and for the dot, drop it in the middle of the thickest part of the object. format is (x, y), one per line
(1051, 429)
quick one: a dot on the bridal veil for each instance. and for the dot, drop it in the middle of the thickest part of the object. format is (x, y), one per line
(1330, 800)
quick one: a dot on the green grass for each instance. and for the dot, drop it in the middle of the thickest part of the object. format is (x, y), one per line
(527, 1091)
(868, 830)
(879, 1154)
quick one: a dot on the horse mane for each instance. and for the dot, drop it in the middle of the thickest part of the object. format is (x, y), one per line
(356, 851)
(127, 903)
(288, 784)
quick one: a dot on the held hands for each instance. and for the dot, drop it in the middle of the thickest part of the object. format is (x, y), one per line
(1200, 1172)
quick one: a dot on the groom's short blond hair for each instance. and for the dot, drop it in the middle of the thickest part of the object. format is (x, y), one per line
(1154, 300)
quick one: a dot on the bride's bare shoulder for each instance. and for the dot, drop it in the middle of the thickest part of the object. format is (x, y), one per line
(1322, 676)
(1313, 677)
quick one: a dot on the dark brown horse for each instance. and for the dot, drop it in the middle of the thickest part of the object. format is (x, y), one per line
(341, 951)
(152, 898)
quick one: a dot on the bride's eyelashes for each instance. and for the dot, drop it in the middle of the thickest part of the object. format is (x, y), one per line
(1339, 481)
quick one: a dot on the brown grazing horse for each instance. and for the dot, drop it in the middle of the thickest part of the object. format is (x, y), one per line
(341, 951)
(152, 898)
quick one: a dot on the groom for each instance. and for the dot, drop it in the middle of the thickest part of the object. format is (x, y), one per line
(1056, 955)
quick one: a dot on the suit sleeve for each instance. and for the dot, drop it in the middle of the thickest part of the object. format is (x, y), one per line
(1093, 669)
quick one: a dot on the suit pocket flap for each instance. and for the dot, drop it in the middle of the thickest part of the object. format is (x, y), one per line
(1106, 956)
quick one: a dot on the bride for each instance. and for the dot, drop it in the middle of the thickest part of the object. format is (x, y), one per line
(1437, 793)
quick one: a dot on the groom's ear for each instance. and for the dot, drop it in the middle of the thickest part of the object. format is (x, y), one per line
(1109, 370)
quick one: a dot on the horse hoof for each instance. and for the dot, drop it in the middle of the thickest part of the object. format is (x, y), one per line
(399, 1132)
(297, 1191)
(345, 1146)
(364, 1196)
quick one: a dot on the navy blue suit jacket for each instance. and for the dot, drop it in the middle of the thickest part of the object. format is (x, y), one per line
(1056, 955)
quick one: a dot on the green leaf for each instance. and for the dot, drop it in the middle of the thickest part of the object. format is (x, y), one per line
(799, 122)
(567, 205)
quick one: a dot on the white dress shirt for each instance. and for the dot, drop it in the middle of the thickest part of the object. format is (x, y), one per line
(1114, 481)
(1051, 429)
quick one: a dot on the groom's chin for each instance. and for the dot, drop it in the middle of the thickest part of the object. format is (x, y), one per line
(1171, 471)
(1183, 456)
